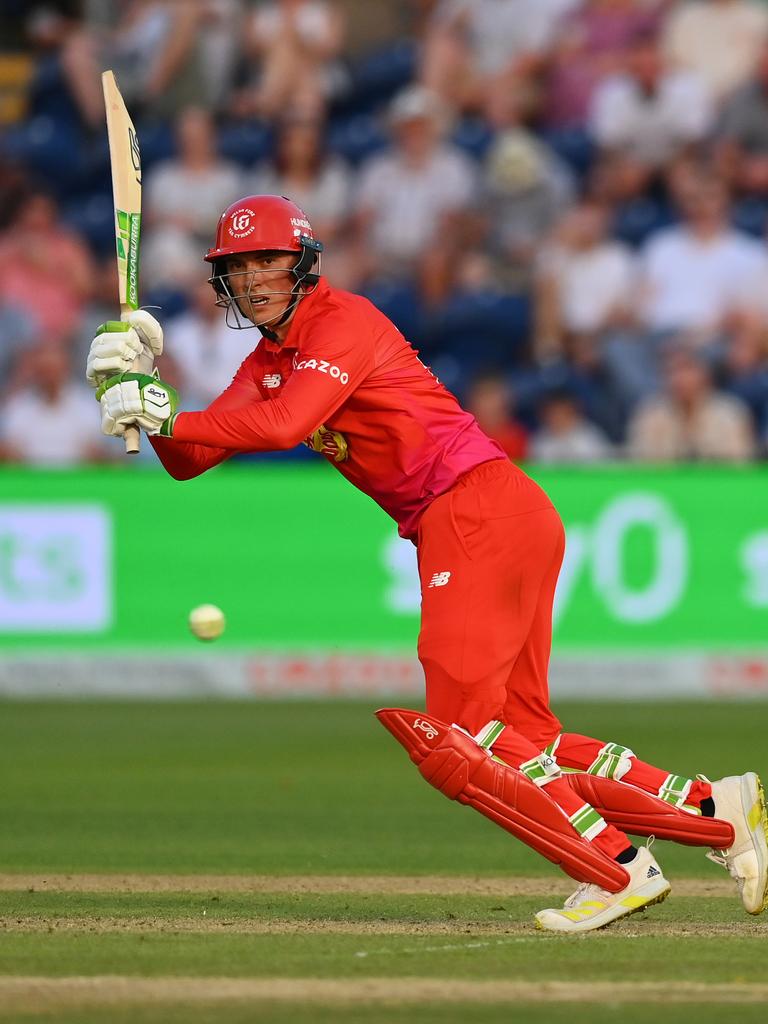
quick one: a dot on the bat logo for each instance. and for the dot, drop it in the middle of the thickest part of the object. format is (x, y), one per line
(135, 154)
(425, 727)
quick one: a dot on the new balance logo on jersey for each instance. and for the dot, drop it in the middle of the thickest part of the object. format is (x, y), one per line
(439, 579)
(272, 380)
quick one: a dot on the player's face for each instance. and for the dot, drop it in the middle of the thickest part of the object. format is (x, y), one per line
(261, 283)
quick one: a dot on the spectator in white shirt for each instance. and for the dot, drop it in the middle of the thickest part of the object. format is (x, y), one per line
(650, 112)
(408, 195)
(192, 189)
(689, 419)
(696, 274)
(206, 352)
(719, 39)
(184, 200)
(473, 46)
(52, 420)
(584, 283)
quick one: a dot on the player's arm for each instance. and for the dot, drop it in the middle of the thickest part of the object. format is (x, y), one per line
(185, 460)
(325, 373)
(305, 402)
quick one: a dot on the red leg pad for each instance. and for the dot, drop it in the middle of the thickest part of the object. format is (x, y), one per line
(641, 814)
(452, 762)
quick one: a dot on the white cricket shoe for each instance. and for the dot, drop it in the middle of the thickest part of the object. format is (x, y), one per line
(739, 799)
(591, 907)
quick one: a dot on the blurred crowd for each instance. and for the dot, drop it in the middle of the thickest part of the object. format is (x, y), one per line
(563, 204)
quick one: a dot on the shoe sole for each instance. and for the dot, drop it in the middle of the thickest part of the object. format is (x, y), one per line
(658, 898)
(752, 794)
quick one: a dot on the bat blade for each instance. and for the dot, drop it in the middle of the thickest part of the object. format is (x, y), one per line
(125, 158)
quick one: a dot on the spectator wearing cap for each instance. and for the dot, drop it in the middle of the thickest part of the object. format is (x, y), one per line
(649, 111)
(689, 419)
(525, 186)
(566, 436)
(410, 196)
(720, 40)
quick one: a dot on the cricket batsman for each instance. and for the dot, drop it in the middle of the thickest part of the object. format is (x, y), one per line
(332, 371)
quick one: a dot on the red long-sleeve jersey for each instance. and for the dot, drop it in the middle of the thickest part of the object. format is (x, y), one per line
(345, 379)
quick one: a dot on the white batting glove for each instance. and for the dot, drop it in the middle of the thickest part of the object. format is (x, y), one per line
(119, 342)
(137, 398)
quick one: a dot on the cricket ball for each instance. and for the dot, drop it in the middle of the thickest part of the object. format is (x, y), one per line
(207, 622)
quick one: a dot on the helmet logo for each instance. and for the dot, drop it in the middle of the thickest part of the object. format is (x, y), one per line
(242, 224)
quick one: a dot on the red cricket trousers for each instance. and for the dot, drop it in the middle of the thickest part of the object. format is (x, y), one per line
(490, 551)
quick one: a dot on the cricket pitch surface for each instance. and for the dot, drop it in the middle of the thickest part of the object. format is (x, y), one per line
(284, 862)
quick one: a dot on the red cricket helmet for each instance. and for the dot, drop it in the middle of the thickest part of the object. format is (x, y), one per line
(259, 224)
(263, 224)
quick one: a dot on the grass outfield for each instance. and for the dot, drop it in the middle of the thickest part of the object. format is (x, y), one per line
(249, 862)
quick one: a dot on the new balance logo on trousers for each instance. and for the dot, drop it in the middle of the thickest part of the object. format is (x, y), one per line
(439, 579)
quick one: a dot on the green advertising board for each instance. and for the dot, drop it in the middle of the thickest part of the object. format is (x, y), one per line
(658, 560)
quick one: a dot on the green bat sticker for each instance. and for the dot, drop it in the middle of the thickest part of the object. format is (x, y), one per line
(127, 235)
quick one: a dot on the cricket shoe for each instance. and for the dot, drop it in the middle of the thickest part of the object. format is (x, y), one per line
(740, 800)
(591, 907)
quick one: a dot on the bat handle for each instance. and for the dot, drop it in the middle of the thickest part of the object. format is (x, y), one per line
(132, 438)
(141, 364)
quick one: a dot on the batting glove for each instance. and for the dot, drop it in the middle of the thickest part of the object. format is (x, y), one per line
(137, 398)
(119, 342)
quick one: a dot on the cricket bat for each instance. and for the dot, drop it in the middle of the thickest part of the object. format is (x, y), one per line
(125, 158)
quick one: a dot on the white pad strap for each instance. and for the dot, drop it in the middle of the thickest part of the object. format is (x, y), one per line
(541, 769)
(675, 789)
(612, 762)
(489, 734)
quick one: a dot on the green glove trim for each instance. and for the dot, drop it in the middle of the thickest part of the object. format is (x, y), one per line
(166, 430)
(113, 327)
